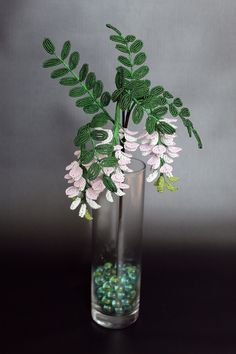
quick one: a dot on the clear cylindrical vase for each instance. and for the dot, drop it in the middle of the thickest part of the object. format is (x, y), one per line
(116, 254)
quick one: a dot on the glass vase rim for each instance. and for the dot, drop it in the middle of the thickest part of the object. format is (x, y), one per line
(138, 170)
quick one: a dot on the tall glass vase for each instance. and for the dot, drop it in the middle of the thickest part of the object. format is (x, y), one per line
(116, 254)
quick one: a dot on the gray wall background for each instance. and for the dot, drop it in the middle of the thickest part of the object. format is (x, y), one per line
(191, 50)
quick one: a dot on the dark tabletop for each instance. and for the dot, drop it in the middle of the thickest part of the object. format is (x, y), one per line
(188, 304)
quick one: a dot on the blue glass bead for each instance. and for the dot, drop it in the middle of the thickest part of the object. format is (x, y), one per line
(116, 303)
(120, 295)
(124, 279)
(128, 287)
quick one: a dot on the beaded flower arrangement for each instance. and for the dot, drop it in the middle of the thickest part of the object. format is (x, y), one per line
(104, 145)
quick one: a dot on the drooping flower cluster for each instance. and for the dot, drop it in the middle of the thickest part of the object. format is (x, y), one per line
(85, 193)
(161, 150)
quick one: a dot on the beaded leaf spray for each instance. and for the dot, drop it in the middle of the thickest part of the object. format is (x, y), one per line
(104, 145)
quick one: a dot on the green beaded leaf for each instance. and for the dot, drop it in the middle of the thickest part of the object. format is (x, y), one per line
(173, 179)
(99, 135)
(109, 184)
(59, 72)
(157, 90)
(136, 46)
(65, 50)
(83, 72)
(105, 99)
(165, 128)
(140, 72)
(90, 81)
(137, 114)
(177, 102)
(97, 89)
(119, 79)
(170, 187)
(113, 28)
(116, 94)
(48, 46)
(104, 149)
(173, 110)
(93, 171)
(51, 62)
(125, 102)
(122, 48)
(77, 92)
(109, 161)
(167, 95)
(86, 156)
(99, 120)
(82, 136)
(68, 81)
(130, 38)
(160, 184)
(161, 100)
(117, 39)
(140, 58)
(83, 102)
(160, 111)
(195, 133)
(127, 73)
(184, 112)
(93, 108)
(125, 61)
(150, 124)
(74, 60)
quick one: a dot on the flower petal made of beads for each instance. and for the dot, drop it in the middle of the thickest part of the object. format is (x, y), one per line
(109, 197)
(82, 210)
(152, 176)
(81, 183)
(93, 204)
(75, 203)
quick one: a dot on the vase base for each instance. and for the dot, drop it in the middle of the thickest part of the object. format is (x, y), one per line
(114, 322)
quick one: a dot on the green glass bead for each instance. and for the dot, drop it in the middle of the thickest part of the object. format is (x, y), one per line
(107, 265)
(108, 274)
(100, 293)
(99, 280)
(97, 273)
(133, 277)
(107, 309)
(119, 310)
(107, 286)
(106, 301)
(111, 295)
(114, 280)
(131, 295)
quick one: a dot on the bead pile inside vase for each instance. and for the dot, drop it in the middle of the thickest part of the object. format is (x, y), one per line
(116, 287)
